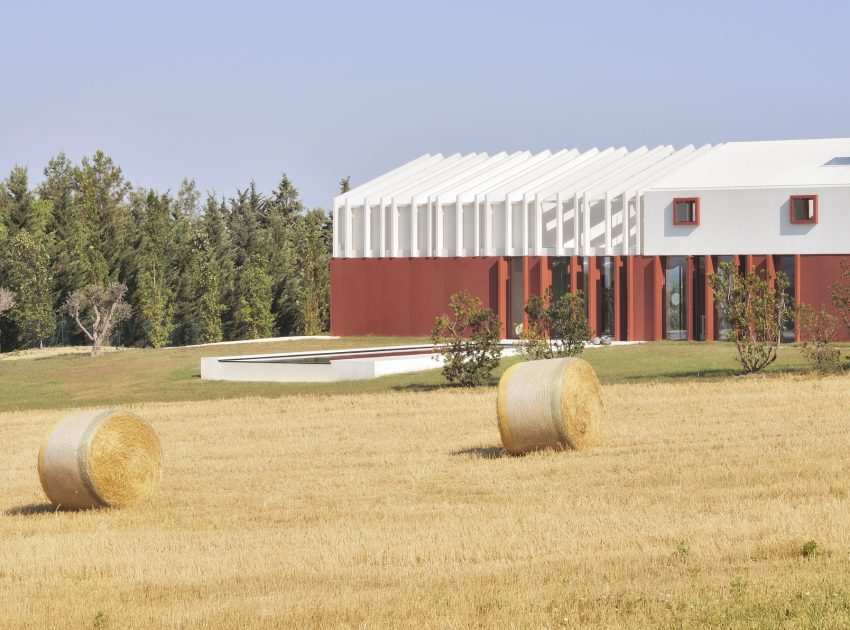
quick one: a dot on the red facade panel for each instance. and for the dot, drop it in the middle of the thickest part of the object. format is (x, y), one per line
(643, 302)
(403, 296)
(815, 277)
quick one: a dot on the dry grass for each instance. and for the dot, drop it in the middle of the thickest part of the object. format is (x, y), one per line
(397, 509)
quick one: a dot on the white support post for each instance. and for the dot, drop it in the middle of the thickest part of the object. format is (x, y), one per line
(429, 222)
(414, 236)
(585, 208)
(638, 224)
(393, 228)
(382, 238)
(335, 219)
(509, 220)
(624, 230)
(576, 219)
(367, 229)
(346, 220)
(607, 223)
(458, 226)
(559, 229)
(476, 220)
(525, 224)
(538, 225)
(438, 228)
(488, 226)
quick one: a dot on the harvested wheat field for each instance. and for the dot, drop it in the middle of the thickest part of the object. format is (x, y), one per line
(400, 510)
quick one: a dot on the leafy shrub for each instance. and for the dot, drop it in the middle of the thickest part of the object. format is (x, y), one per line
(756, 311)
(809, 549)
(470, 341)
(818, 330)
(556, 328)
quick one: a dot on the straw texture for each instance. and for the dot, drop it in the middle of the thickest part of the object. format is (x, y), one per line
(556, 403)
(102, 458)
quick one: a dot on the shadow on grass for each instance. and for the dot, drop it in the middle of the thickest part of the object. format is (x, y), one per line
(31, 509)
(684, 374)
(421, 387)
(433, 387)
(484, 452)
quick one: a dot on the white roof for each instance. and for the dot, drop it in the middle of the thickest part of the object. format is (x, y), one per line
(521, 174)
(597, 173)
(776, 163)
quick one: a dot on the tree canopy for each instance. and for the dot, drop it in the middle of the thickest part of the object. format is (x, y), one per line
(196, 268)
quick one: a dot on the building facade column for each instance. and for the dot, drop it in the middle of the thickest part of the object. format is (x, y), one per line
(658, 310)
(709, 300)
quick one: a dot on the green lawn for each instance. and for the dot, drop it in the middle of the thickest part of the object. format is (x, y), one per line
(134, 375)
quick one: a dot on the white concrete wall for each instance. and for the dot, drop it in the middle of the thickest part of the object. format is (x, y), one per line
(747, 221)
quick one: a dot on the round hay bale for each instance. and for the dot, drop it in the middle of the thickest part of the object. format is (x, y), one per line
(554, 403)
(101, 458)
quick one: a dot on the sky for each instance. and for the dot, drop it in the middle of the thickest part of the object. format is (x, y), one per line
(226, 93)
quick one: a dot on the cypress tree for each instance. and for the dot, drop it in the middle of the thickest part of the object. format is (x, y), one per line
(28, 276)
(285, 218)
(253, 318)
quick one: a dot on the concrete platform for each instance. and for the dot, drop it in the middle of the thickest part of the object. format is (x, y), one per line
(327, 366)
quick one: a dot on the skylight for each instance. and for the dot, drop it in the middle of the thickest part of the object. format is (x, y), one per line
(839, 161)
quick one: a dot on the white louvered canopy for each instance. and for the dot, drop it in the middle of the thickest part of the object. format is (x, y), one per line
(553, 203)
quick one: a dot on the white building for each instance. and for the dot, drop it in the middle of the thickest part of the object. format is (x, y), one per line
(638, 231)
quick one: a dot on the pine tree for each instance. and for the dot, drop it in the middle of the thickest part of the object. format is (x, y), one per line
(76, 262)
(23, 210)
(101, 197)
(247, 223)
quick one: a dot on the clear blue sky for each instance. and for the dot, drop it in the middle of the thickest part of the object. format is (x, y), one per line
(229, 92)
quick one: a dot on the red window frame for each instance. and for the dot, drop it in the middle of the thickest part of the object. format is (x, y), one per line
(813, 220)
(693, 200)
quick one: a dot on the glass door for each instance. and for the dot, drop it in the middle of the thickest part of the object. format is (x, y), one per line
(675, 320)
(516, 293)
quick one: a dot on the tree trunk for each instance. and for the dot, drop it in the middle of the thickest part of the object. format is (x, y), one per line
(95, 346)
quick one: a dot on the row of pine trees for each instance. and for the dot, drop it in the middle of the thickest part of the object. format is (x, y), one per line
(197, 270)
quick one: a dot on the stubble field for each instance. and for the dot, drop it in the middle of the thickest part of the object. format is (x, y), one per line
(398, 509)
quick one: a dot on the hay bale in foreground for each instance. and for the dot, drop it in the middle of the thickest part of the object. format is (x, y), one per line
(554, 403)
(101, 458)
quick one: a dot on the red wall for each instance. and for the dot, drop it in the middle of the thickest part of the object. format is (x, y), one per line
(816, 276)
(403, 296)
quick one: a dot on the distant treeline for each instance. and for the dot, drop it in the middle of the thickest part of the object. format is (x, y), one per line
(196, 270)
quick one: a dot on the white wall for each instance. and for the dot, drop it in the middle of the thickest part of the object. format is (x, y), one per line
(747, 221)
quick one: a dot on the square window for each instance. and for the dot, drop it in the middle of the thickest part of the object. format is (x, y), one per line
(804, 208)
(686, 211)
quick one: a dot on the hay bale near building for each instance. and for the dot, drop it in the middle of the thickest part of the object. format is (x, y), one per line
(100, 458)
(554, 403)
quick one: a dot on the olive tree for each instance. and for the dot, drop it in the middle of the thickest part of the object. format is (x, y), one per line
(102, 308)
(757, 310)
